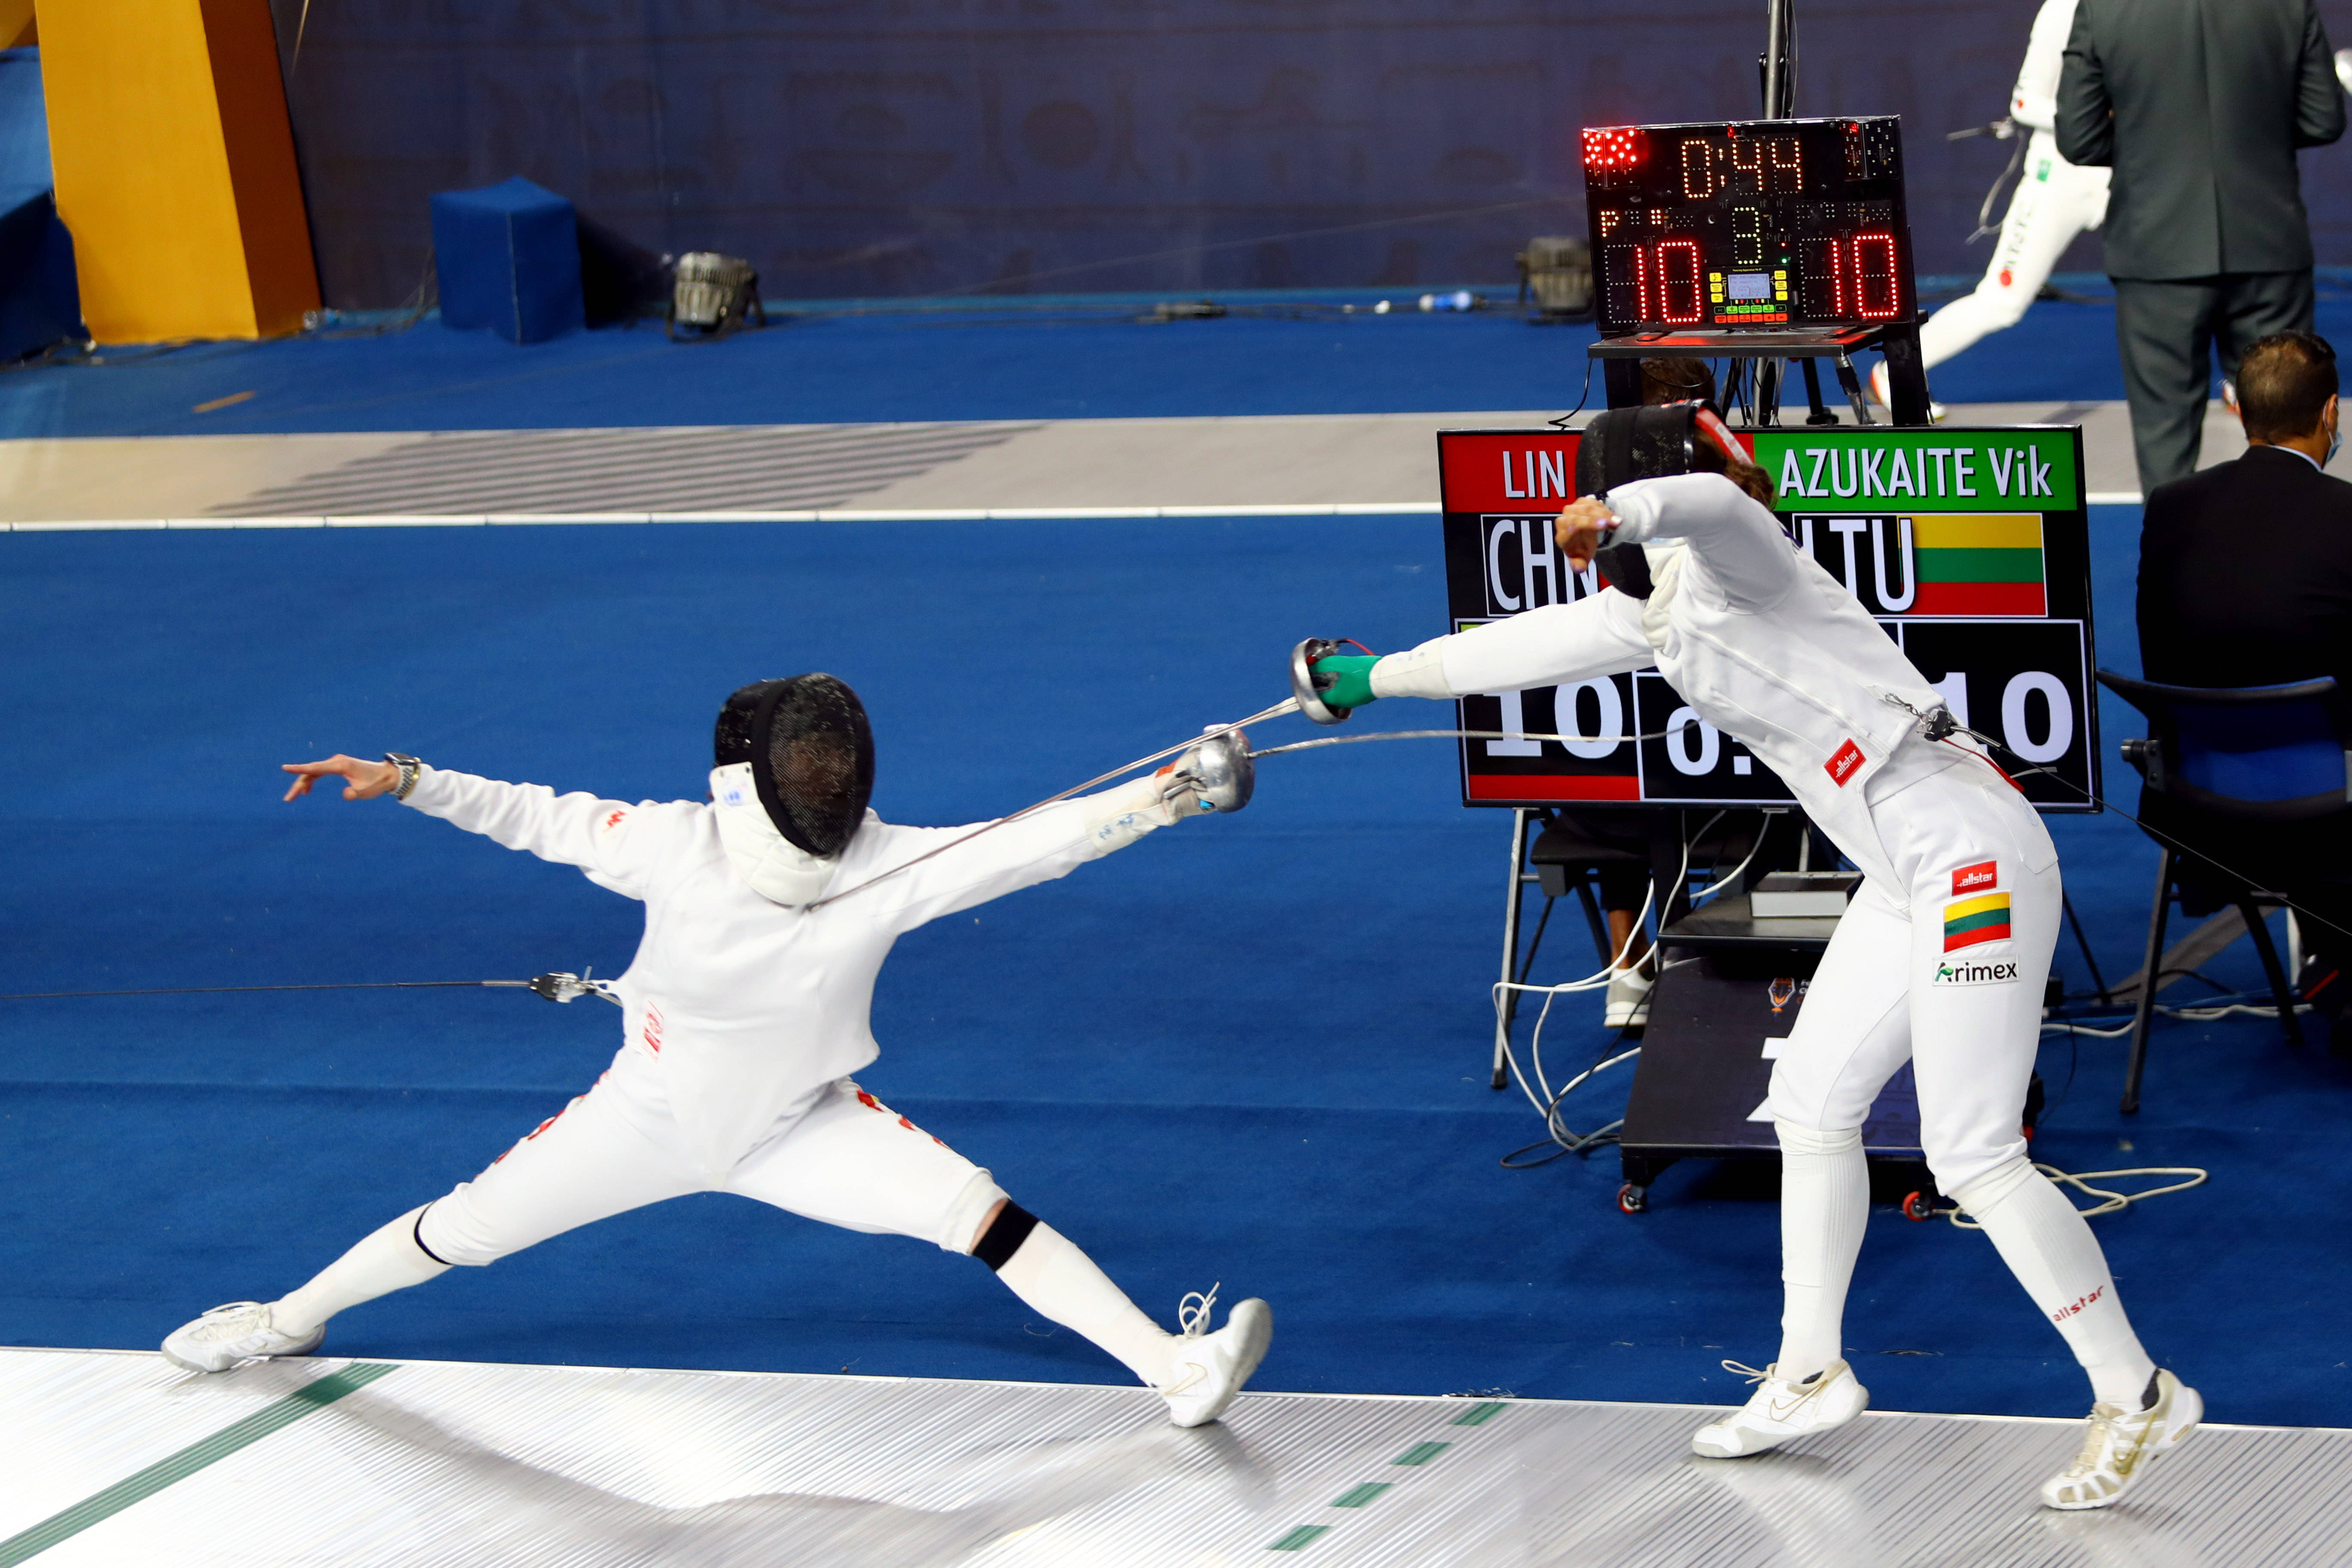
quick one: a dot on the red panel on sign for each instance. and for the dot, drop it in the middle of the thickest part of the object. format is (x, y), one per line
(1563, 787)
(1980, 599)
(1516, 471)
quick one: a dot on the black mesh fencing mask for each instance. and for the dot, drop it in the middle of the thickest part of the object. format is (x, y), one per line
(811, 756)
(1621, 445)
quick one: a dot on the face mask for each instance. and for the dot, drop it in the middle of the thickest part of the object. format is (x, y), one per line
(776, 868)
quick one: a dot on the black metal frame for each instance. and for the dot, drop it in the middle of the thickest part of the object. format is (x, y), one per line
(2158, 759)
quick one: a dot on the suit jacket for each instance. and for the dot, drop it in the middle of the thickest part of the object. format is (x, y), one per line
(2245, 575)
(2199, 106)
(2245, 579)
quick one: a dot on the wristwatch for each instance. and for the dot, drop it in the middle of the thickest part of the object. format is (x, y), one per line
(409, 768)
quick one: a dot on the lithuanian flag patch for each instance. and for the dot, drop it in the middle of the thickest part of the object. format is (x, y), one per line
(1972, 920)
(1979, 564)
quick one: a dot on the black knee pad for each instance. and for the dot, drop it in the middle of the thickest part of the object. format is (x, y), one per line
(1003, 1238)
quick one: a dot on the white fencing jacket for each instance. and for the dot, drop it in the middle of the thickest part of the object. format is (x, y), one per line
(747, 1005)
(1766, 645)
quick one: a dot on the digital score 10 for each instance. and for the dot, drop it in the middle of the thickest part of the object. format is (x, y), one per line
(1767, 225)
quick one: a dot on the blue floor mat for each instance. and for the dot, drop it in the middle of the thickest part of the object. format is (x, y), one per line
(1089, 362)
(1249, 1050)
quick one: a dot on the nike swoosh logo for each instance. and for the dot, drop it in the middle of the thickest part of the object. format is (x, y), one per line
(1194, 1373)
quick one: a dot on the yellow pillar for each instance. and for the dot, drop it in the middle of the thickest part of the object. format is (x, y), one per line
(175, 171)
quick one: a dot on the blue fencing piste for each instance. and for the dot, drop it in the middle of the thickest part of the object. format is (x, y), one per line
(507, 261)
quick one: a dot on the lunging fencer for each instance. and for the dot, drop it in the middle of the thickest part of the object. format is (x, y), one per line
(1939, 959)
(2054, 201)
(769, 910)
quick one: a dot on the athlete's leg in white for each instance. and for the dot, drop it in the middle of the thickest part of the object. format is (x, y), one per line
(1852, 1036)
(600, 1155)
(1848, 1040)
(2054, 201)
(853, 1162)
(1987, 906)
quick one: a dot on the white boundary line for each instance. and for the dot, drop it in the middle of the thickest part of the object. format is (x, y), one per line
(959, 514)
(2114, 498)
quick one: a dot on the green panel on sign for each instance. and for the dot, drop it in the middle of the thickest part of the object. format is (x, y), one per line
(1480, 1414)
(1304, 1535)
(1421, 1452)
(1979, 565)
(1880, 470)
(1358, 1496)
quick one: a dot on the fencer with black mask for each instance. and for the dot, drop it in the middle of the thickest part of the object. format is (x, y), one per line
(1939, 959)
(769, 910)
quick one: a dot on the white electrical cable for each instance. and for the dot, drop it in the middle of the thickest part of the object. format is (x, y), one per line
(2110, 1200)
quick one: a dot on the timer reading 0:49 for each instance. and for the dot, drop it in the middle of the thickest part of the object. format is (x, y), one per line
(1760, 224)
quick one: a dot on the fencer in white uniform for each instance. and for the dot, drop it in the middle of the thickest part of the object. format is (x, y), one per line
(745, 1014)
(2054, 201)
(1939, 961)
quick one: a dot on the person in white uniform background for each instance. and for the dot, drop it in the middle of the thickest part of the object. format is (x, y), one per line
(769, 910)
(1940, 959)
(2054, 201)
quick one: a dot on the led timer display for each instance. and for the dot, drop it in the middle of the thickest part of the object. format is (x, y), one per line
(1754, 225)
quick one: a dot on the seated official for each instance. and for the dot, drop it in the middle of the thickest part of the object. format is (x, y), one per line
(2245, 579)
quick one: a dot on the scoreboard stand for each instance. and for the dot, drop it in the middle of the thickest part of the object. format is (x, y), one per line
(1620, 359)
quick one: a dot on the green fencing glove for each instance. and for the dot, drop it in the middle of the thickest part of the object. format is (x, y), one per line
(1352, 679)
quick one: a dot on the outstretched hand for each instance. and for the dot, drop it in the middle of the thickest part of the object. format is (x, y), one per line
(363, 780)
(1578, 531)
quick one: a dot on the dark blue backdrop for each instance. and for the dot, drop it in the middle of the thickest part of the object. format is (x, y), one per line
(912, 147)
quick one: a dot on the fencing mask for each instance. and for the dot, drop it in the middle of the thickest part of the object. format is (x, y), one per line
(795, 768)
(1623, 444)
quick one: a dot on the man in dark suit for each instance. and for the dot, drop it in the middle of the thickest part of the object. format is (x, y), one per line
(2198, 107)
(2245, 579)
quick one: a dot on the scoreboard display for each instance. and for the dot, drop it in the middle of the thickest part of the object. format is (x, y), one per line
(1767, 225)
(1970, 547)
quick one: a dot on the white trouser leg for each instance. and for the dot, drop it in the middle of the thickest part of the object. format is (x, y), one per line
(854, 1162)
(1853, 1034)
(384, 1260)
(1985, 907)
(2048, 1244)
(2054, 201)
(591, 1160)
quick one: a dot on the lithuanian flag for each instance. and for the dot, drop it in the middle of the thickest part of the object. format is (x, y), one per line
(1972, 920)
(1978, 564)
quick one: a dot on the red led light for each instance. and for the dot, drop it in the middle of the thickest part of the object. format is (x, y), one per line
(1877, 294)
(1673, 289)
(1613, 148)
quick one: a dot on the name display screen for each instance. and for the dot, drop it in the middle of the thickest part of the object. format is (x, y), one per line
(1771, 225)
(1970, 547)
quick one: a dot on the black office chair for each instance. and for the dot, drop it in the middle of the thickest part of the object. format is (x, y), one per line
(2255, 753)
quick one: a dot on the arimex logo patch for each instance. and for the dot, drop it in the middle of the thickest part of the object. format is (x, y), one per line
(1959, 972)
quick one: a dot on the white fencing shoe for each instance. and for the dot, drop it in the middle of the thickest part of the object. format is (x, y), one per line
(1629, 1000)
(1209, 1369)
(1780, 1411)
(227, 1335)
(2119, 1444)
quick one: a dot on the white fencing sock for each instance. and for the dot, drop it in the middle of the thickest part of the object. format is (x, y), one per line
(385, 1261)
(1824, 1203)
(1046, 1269)
(2048, 1244)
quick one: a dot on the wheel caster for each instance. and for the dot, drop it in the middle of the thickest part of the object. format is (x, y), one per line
(1916, 1207)
(1632, 1198)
